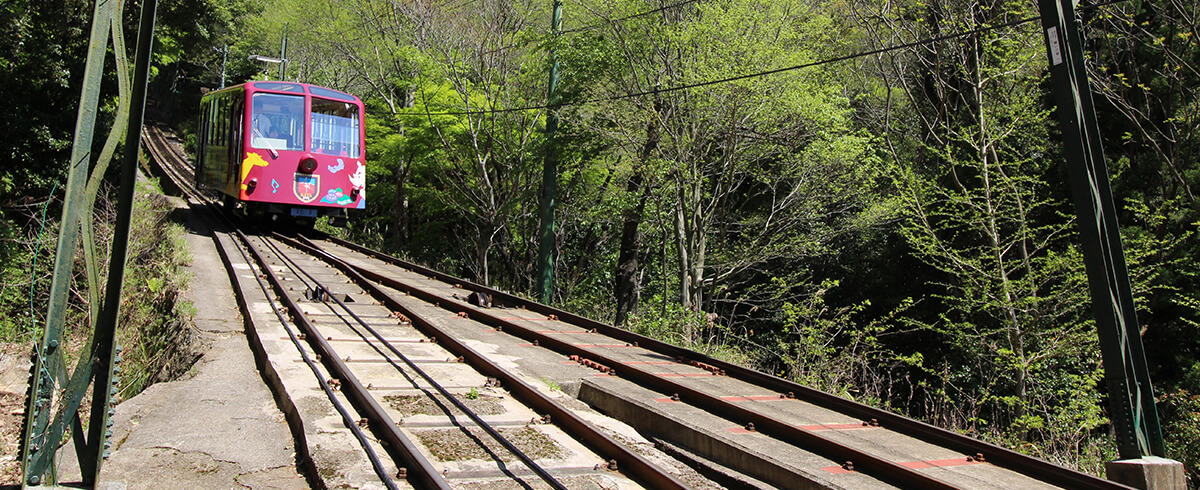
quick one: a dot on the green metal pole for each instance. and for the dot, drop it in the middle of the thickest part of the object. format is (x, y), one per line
(38, 450)
(1130, 395)
(546, 235)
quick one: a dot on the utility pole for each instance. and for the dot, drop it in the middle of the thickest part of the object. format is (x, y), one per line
(224, 55)
(1143, 461)
(546, 235)
(283, 54)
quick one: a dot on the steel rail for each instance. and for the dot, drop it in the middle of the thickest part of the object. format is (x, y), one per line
(627, 460)
(399, 446)
(168, 160)
(376, 463)
(393, 440)
(862, 461)
(482, 424)
(993, 454)
(164, 157)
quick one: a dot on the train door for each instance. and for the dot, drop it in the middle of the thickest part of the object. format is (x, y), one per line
(201, 144)
(236, 130)
(228, 123)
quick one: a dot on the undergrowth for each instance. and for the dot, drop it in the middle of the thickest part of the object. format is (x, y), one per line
(154, 319)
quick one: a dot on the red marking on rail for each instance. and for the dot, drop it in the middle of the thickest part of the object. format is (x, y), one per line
(834, 426)
(739, 430)
(750, 398)
(666, 400)
(684, 375)
(601, 346)
(916, 465)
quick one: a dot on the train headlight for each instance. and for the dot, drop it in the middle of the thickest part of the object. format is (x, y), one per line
(308, 164)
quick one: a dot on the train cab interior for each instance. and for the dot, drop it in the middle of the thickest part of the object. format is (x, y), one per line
(276, 122)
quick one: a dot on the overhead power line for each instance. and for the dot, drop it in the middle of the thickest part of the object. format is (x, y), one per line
(598, 24)
(627, 17)
(837, 59)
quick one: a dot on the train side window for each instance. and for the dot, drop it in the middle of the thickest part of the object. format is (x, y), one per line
(335, 128)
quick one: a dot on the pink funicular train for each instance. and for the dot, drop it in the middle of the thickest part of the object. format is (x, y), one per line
(283, 150)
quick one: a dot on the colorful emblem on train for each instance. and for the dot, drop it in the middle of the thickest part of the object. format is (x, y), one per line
(306, 187)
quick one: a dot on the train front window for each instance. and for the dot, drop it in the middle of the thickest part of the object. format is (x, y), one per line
(335, 128)
(276, 122)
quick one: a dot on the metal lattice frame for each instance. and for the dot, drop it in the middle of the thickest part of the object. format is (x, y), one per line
(1131, 398)
(50, 389)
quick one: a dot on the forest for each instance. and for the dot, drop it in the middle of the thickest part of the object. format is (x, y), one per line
(868, 197)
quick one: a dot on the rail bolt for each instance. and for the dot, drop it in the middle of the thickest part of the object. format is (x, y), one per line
(612, 465)
(848, 466)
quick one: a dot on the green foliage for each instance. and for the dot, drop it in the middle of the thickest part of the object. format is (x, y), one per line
(1180, 410)
(895, 228)
(154, 317)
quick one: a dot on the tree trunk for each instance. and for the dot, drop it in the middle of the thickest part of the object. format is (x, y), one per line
(401, 207)
(627, 287)
(483, 244)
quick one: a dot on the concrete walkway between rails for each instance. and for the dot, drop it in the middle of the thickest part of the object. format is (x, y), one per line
(217, 428)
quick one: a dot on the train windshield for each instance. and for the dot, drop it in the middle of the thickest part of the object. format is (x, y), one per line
(276, 122)
(335, 128)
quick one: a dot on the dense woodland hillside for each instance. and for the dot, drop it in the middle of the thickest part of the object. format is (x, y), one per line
(766, 180)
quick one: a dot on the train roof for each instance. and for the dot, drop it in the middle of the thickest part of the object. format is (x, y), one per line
(290, 87)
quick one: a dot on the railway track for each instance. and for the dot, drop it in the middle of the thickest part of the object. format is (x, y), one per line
(413, 362)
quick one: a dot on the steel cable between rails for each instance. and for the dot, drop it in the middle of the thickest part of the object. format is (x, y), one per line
(482, 424)
(376, 463)
(641, 468)
(295, 268)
